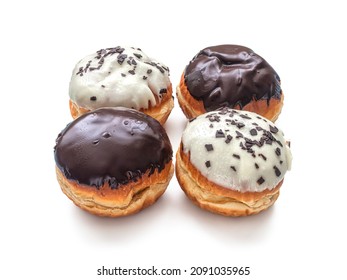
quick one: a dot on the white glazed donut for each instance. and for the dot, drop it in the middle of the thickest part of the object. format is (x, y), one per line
(232, 162)
(121, 76)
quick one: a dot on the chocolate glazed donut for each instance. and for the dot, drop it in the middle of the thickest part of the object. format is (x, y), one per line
(230, 75)
(113, 161)
(112, 145)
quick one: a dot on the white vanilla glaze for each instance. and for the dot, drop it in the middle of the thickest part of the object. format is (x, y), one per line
(236, 149)
(120, 76)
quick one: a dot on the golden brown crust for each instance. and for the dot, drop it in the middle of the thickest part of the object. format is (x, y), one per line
(160, 112)
(214, 198)
(193, 108)
(189, 105)
(125, 200)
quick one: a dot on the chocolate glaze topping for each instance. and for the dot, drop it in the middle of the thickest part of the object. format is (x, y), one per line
(230, 75)
(112, 145)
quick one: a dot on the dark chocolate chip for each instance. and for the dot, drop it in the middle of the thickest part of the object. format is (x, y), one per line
(93, 98)
(260, 180)
(239, 134)
(278, 151)
(208, 164)
(256, 165)
(160, 69)
(261, 155)
(236, 156)
(209, 147)
(277, 171)
(240, 125)
(233, 168)
(121, 58)
(253, 132)
(220, 134)
(229, 138)
(163, 90)
(245, 116)
(273, 129)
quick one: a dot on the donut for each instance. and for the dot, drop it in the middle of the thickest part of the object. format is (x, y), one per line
(121, 76)
(113, 161)
(232, 76)
(232, 162)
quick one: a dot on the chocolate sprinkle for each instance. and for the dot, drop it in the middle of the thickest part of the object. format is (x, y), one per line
(220, 134)
(253, 132)
(229, 138)
(149, 71)
(277, 171)
(132, 72)
(209, 147)
(121, 58)
(93, 98)
(261, 155)
(239, 134)
(208, 164)
(260, 180)
(278, 151)
(233, 168)
(256, 165)
(273, 129)
(213, 118)
(236, 156)
(240, 125)
(245, 117)
(144, 77)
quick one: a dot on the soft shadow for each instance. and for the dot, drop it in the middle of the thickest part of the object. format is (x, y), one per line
(251, 228)
(120, 229)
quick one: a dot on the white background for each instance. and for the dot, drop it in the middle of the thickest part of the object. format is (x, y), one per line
(44, 236)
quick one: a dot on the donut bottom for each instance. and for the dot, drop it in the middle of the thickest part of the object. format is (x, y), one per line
(159, 112)
(192, 107)
(123, 201)
(217, 199)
